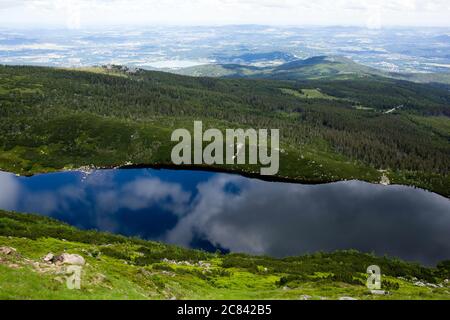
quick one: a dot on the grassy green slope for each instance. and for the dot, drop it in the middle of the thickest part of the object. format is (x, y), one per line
(131, 268)
(54, 119)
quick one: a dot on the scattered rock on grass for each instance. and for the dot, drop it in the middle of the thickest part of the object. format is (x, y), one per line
(7, 250)
(49, 257)
(379, 292)
(419, 284)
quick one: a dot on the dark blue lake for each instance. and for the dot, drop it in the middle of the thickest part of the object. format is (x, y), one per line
(232, 213)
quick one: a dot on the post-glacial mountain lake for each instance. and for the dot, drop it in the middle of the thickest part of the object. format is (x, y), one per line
(232, 213)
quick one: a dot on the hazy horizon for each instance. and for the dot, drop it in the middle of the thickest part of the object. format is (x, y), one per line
(83, 14)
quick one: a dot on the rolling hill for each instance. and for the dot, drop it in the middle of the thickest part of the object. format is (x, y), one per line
(320, 67)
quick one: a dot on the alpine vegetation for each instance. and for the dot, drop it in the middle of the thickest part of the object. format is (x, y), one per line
(236, 143)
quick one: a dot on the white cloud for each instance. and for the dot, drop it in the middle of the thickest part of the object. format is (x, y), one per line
(141, 193)
(246, 215)
(9, 191)
(83, 13)
(288, 219)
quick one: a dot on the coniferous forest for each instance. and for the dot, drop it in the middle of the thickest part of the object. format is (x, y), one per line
(361, 128)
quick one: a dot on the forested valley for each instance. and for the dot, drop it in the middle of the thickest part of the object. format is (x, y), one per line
(362, 128)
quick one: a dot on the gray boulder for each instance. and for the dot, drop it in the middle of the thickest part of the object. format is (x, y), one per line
(73, 259)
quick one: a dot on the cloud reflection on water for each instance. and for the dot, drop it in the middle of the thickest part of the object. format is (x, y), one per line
(287, 219)
(241, 214)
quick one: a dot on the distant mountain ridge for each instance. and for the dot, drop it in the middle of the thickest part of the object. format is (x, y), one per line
(257, 58)
(319, 67)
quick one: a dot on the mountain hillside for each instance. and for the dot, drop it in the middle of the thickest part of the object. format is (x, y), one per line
(365, 129)
(35, 252)
(320, 67)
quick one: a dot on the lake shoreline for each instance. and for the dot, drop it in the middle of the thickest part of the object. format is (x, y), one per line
(213, 169)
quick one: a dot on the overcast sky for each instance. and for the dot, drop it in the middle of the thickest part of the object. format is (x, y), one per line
(76, 14)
